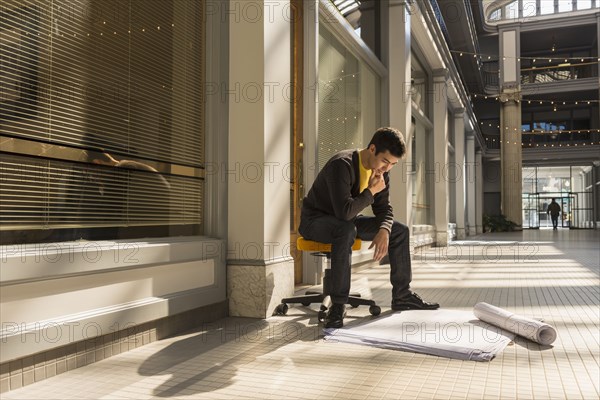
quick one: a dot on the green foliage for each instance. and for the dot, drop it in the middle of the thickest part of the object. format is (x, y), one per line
(497, 223)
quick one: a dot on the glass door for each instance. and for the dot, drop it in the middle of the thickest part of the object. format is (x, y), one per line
(531, 215)
(581, 213)
(565, 218)
(566, 214)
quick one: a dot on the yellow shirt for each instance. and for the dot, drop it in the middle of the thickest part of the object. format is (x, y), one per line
(365, 175)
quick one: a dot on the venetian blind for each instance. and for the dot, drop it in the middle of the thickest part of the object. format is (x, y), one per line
(349, 98)
(101, 113)
(339, 98)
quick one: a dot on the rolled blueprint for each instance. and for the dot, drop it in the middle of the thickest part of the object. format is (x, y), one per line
(529, 328)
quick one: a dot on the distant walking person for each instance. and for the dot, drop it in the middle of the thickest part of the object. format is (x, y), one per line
(554, 211)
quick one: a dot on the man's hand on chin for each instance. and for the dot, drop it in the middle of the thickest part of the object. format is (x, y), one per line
(376, 182)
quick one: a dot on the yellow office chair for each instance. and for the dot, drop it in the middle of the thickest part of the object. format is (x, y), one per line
(324, 250)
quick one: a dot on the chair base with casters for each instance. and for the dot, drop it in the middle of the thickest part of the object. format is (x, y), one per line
(311, 296)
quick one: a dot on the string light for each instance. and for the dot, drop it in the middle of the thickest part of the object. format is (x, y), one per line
(555, 131)
(493, 140)
(541, 101)
(489, 56)
(475, 95)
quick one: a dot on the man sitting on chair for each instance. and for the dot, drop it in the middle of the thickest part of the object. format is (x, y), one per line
(349, 182)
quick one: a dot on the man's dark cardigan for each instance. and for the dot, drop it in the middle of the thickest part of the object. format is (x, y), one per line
(336, 192)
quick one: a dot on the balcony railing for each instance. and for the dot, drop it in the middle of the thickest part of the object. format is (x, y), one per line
(542, 74)
(534, 140)
(560, 72)
(491, 76)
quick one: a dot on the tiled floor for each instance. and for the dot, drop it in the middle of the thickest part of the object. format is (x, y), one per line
(545, 274)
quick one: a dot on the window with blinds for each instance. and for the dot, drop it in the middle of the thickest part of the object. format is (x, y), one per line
(349, 95)
(101, 119)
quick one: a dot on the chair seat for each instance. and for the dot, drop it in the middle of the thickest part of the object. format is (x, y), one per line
(311, 245)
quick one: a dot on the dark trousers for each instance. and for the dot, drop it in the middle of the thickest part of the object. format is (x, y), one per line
(554, 220)
(341, 235)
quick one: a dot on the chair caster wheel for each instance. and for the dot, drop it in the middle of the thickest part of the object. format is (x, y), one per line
(354, 305)
(281, 309)
(305, 304)
(322, 316)
(375, 310)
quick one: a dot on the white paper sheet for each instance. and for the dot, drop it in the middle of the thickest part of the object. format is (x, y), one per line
(445, 333)
(479, 335)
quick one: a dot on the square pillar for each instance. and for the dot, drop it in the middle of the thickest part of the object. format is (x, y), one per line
(396, 56)
(440, 157)
(478, 192)
(470, 183)
(260, 270)
(459, 168)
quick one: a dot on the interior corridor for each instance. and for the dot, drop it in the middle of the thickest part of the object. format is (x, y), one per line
(552, 275)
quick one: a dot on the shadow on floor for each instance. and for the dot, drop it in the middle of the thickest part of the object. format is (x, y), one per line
(199, 363)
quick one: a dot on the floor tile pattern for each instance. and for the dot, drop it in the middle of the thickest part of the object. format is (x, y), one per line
(551, 275)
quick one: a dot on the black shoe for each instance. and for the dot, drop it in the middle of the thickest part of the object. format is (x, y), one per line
(412, 302)
(335, 319)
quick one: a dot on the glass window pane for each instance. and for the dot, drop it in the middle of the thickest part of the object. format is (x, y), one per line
(116, 120)
(370, 95)
(362, 15)
(349, 93)
(584, 4)
(529, 8)
(496, 15)
(565, 5)
(511, 11)
(547, 7)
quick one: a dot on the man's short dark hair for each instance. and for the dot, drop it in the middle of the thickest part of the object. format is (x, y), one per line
(389, 139)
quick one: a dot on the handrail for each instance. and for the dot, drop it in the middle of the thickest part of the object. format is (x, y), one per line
(557, 66)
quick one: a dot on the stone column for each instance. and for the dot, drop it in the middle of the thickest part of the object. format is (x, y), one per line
(478, 192)
(396, 56)
(421, 185)
(459, 175)
(470, 183)
(259, 269)
(312, 267)
(511, 163)
(440, 157)
(510, 125)
(595, 196)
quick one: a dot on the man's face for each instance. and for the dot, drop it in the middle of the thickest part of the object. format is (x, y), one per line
(383, 161)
